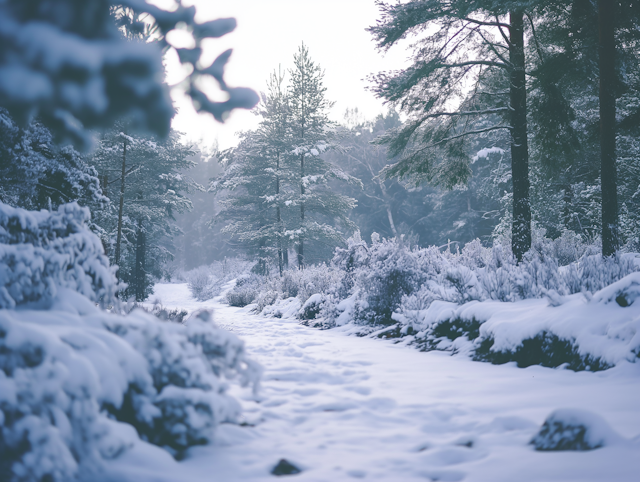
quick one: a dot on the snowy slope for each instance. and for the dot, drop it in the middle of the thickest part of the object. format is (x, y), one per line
(347, 408)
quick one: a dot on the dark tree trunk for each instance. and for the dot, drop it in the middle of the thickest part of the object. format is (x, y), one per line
(301, 238)
(607, 51)
(521, 228)
(121, 208)
(140, 272)
(567, 201)
(279, 217)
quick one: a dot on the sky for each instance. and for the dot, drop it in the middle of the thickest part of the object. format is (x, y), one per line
(269, 33)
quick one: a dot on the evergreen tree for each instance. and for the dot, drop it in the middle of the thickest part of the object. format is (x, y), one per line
(464, 45)
(144, 175)
(38, 174)
(275, 187)
(257, 180)
(313, 134)
(573, 81)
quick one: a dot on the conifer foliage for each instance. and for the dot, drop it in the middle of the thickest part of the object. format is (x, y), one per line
(143, 177)
(467, 79)
(275, 184)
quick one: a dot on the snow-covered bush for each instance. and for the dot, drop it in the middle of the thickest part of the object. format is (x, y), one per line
(573, 429)
(391, 271)
(267, 291)
(200, 284)
(205, 282)
(78, 384)
(41, 252)
(245, 291)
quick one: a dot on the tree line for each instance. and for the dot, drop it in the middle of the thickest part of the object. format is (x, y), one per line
(534, 70)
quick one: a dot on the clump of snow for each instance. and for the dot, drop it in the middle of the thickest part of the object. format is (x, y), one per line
(573, 429)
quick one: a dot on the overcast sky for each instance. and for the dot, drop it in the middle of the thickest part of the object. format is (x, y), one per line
(269, 33)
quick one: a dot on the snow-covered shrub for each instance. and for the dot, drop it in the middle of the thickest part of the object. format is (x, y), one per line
(205, 282)
(187, 364)
(245, 291)
(41, 252)
(76, 380)
(597, 272)
(349, 259)
(267, 291)
(392, 270)
(62, 370)
(175, 315)
(312, 307)
(572, 429)
(200, 285)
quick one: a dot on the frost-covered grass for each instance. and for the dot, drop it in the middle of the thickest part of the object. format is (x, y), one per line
(80, 385)
(550, 309)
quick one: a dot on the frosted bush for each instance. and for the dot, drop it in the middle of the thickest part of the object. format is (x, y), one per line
(392, 270)
(245, 291)
(205, 282)
(76, 380)
(41, 252)
(200, 284)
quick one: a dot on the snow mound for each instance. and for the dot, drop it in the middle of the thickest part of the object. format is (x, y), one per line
(66, 373)
(572, 429)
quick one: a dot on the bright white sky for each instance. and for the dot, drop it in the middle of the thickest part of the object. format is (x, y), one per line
(269, 33)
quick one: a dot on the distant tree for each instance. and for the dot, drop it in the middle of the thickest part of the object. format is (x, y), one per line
(68, 62)
(469, 71)
(144, 175)
(312, 134)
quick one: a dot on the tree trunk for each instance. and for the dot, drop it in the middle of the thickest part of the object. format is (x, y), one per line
(567, 201)
(521, 228)
(140, 271)
(606, 62)
(301, 238)
(278, 216)
(121, 208)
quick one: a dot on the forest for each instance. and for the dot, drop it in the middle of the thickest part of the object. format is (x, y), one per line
(330, 297)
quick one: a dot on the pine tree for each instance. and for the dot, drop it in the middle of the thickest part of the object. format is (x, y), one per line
(145, 176)
(574, 79)
(313, 134)
(468, 69)
(38, 174)
(257, 180)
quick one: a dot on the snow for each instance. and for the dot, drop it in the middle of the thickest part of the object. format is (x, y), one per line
(345, 408)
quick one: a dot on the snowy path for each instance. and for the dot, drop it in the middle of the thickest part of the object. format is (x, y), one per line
(348, 408)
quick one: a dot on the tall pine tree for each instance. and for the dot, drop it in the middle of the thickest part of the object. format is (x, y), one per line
(467, 79)
(313, 134)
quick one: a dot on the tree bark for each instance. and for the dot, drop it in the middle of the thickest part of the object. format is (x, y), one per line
(140, 267)
(301, 238)
(121, 208)
(606, 63)
(521, 228)
(278, 215)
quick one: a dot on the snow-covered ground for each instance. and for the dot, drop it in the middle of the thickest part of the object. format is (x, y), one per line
(344, 408)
